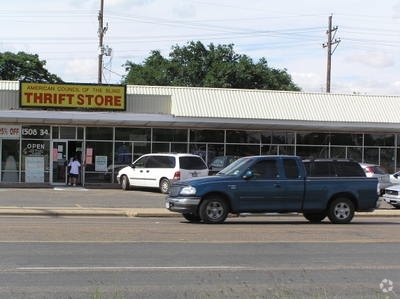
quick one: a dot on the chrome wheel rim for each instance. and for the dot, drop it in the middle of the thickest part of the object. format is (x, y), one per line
(342, 211)
(214, 210)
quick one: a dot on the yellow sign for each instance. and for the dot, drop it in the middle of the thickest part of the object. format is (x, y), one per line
(86, 96)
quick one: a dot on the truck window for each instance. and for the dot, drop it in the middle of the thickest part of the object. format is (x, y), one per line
(291, 169)
(265, 169)
(350, 169)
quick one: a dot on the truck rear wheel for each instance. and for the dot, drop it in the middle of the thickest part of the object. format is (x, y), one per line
(315, 217)
(341, 210)
(213, 210)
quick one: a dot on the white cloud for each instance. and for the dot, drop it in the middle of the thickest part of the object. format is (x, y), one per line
(311, 82)
(289, 34)
(375, 59)
(396, 10)
(184, 9)
(80, 70)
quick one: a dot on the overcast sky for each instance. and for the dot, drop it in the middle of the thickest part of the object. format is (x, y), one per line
(290, 34)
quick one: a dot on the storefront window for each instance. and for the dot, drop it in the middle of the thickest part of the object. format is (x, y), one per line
(267, 149)
(133, 134)
(170, 135)
(140, 148)
(354, 153)
(242, 136)
(286, 150)
(242, 150)
(67, 132)
(283, 138)
(379, 139)
(346, 139)
(35, 161)
(387, 159)
(207, 135)
(312, 152)
(9, 160)
(101, 158)
(99, 133)
(338, 152)
(313, 138)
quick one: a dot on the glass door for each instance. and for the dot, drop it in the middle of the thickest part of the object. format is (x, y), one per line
(59, 162)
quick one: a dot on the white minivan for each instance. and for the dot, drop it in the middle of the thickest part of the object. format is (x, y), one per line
(159, 170)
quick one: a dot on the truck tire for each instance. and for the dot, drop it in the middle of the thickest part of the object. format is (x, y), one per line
(125, 183)
(191, 217)
(164, 185)
(315, 217)
(213, 210)
(341, 210)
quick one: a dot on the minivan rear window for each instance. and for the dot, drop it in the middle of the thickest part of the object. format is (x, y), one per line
(192, 163)
(160, 162)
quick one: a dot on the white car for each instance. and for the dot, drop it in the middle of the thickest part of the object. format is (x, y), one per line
(159, 170)
(373, 170)
(395, 178)
(392, 195)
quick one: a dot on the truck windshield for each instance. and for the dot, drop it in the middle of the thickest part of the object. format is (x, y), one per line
(237, 167)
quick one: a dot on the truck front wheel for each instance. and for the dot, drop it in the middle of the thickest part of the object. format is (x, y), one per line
(341, 210)
(213, 210)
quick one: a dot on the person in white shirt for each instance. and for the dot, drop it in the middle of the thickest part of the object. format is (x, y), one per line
(74, 171)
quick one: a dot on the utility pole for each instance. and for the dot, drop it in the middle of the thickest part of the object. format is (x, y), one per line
(101, 31)
(331, 41)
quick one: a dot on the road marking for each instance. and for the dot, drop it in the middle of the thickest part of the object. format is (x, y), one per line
(211, 268)
(70, 189)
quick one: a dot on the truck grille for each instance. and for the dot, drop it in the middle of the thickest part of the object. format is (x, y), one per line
(174, 190)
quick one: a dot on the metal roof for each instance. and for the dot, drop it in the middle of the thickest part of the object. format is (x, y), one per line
(227, 108)
(277, 105)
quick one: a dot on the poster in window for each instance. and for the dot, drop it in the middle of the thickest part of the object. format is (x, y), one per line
(100, 163)
(34, 169)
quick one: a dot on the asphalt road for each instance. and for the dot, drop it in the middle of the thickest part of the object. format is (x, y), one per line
(76, 196)
(248, 257)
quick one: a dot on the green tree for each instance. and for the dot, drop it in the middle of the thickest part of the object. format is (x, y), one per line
(213, 66)
(25, 67)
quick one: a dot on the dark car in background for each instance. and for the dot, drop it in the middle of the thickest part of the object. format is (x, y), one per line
(219, 163)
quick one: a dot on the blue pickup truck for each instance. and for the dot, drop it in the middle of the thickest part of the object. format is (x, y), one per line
(279, 184)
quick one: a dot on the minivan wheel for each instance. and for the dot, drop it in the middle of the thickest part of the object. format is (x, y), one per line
(341, 210)
(164, 185)
(213, 210)
(124, 183)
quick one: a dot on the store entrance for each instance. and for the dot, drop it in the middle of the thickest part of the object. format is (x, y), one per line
(63, 151)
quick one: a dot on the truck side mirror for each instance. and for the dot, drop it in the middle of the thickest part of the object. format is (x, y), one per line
(248, 175)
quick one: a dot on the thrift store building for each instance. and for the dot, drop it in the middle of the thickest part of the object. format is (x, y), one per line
(106, 126)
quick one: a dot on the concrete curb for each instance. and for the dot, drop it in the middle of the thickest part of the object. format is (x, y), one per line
(138, 212)
(79, 211)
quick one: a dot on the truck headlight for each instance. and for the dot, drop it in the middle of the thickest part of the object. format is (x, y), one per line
(188, 190)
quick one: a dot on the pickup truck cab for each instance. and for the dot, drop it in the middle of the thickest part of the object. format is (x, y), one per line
(279, 184)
